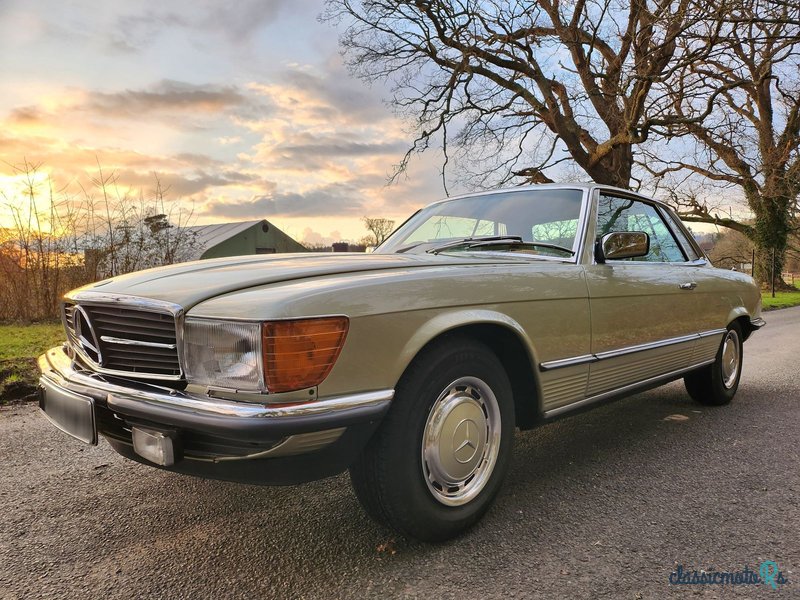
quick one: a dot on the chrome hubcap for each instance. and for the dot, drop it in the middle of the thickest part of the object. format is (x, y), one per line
(730, 359)
(461, 441)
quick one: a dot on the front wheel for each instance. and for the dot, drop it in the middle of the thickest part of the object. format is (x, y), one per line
(717, 383)
(435, 465)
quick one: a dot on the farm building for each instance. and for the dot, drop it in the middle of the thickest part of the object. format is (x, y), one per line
(248, 237)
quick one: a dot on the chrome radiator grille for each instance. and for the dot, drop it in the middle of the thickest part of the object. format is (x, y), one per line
(124, 340)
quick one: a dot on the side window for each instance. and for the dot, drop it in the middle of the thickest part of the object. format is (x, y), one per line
(688, 248)
(624, 214)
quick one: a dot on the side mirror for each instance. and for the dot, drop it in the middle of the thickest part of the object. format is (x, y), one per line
(621, 244)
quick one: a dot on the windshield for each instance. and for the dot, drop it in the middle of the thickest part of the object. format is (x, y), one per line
(544, 220)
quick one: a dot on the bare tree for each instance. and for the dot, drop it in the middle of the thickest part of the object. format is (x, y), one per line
(379, 228)
(59, 240)
(145, 233)
(511, 88)
(36, 262)
(731, 250)
(750, 141)
(526, 86)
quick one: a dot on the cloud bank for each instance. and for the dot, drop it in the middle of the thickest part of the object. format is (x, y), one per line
(241, 132)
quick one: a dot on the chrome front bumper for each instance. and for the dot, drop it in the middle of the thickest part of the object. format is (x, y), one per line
(222, 430)
(59, 370)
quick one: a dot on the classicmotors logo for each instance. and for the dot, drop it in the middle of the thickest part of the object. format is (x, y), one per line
(767, 574)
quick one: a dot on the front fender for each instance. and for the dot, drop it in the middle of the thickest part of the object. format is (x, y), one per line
(379, 348)
(737, 312)
(454, 320)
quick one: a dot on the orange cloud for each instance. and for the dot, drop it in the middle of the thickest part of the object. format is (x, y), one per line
(306, 145)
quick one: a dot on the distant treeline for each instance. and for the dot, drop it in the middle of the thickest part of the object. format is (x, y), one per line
(58, 240)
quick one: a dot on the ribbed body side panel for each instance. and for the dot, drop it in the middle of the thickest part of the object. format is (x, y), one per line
(706, 348)
(623, 370)
(559, 388)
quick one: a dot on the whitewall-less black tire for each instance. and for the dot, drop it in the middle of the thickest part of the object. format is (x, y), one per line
(717, 383)
(439, 458)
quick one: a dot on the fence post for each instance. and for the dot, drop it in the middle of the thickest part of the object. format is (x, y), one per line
(773, 272)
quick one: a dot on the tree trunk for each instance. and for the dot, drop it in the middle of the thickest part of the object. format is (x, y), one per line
(771, 239)
(614, 168)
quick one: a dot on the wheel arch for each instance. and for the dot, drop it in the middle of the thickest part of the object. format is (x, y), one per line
(741, 317)
(505, 338)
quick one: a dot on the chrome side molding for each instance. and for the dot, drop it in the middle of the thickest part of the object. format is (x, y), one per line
(591, 358)
(568, 362)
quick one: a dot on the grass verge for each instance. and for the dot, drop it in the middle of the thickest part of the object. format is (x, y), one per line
(781, 299)
(20, 345)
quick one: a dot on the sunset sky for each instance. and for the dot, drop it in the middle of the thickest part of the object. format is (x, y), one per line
(243, 109)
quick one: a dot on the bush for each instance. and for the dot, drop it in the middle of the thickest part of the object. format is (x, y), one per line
(60, 241)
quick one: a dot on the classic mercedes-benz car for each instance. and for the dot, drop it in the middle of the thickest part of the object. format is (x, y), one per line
(410, 366)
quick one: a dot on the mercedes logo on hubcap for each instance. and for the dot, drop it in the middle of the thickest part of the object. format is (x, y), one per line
(465, 441)
(86, 336)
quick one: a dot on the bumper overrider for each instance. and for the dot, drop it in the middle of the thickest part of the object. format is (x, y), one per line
(206, 436)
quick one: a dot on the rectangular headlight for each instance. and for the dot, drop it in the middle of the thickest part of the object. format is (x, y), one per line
(225, 354)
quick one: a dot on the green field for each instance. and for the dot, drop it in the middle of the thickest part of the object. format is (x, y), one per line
(25, 341)
(19, 347)
(781, 299)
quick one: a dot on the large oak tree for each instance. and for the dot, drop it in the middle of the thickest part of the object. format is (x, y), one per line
(511, 88)
(750, 141)
(514, 87)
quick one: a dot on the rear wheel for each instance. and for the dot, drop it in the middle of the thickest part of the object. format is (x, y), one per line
(435, 465)
(717, 383)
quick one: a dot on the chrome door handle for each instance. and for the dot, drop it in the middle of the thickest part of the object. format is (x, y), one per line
(689, 285)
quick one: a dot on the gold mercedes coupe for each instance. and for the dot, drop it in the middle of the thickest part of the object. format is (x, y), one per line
(410, 366)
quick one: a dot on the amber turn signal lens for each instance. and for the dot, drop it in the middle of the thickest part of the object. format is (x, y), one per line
(300, 353)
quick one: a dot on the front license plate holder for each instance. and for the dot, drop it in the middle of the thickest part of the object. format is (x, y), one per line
(72, 413)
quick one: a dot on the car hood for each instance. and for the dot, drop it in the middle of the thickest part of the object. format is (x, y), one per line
(188, 284)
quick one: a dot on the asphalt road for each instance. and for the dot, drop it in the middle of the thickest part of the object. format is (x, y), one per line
(603, 504)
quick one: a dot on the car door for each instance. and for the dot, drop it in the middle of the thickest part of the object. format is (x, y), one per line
(644, 321)
(712, 292)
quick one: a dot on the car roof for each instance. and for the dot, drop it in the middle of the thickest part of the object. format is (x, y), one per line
(584, 187)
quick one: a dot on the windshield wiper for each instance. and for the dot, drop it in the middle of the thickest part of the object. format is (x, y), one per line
(501, 240)
(468, 241)
(410, 247)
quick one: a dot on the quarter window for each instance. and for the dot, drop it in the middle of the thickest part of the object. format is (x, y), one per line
(625, 214)
(688, 248)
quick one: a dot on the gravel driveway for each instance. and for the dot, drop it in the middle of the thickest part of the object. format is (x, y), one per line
(603, 504)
